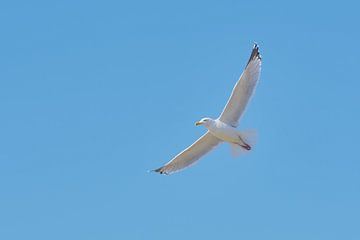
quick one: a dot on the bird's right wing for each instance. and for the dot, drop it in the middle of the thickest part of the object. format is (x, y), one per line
(243, 90)
(191, 154)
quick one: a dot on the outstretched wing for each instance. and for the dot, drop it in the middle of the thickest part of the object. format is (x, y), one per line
(243, 89)
(191, 154)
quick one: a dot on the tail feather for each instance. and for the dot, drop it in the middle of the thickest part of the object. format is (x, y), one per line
(249, 137)
(237, 150)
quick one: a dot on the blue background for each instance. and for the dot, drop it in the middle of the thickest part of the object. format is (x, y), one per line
(93, 94)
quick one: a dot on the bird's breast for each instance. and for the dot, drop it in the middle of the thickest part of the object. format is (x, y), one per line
(224, 132)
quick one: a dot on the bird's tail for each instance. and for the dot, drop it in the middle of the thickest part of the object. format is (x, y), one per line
(249, 137)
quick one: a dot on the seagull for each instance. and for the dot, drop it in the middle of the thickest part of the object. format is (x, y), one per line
(224, 128)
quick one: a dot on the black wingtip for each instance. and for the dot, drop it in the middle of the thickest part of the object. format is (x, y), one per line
(255, 53)
(160, 170)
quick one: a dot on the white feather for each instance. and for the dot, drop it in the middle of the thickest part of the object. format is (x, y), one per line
(243, 90)
(191, 154)
(223, 128)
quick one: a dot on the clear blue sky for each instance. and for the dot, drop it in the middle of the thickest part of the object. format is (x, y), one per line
(95, 93)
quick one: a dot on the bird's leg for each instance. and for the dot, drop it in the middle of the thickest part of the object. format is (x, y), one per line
(246, 146)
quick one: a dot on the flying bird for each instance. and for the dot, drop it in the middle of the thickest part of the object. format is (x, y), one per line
(224, 128)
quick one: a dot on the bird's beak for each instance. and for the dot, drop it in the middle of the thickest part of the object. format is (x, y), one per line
(198, 123)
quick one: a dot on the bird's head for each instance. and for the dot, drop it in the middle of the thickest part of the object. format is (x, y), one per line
(204, 121)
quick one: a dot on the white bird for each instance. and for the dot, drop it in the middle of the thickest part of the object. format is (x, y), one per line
(222, 129)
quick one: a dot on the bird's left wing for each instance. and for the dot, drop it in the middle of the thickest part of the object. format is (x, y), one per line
(243, 90)
(191, 154)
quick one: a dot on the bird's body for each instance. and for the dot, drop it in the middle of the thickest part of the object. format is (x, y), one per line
(224, 132)
(222, 129)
